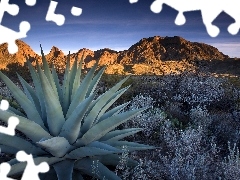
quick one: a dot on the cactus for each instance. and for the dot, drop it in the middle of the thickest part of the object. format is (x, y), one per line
(66, 125)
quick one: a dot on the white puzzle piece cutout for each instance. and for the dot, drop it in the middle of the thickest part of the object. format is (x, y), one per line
(133, 1)
(12, 121)
(4, 170)
(209, 10)
(31, 171)
(76, 11)
(8, 35)
(59, 19)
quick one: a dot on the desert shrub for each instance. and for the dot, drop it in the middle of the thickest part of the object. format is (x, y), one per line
(199, 89)
(149, 120)
(182, 154)
(191, 157)
(225, 128)
(199, 116)
(231, 164)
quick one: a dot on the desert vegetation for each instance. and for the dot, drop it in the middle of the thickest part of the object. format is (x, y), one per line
(192, 119)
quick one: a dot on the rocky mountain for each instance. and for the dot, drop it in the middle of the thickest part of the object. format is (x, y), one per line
(154, 55)
(168, 49)
(24, 51)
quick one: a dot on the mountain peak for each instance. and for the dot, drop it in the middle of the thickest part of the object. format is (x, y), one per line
(151, 50)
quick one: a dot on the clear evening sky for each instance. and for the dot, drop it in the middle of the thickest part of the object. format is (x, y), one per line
(114, 24)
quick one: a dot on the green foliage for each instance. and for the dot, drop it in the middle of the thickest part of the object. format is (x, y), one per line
(68, 125)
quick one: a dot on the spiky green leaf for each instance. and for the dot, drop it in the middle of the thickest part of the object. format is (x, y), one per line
(71, 127)
(21, 144)
(57, 146)
(72, 75)
(76, 82)
(47, 72)
(65, 87)
(95, 81)
(15, 111)
(55, 118)
(22, 99)
(113, 111)
(8, 149)
(89, 151)
(110, 102)
(103, 127)
(131, 146)
(31, 129)
(77, 175)
(39, 92)
(18, 168)
(89, 120)
(120, 134)
(81, 91)
(85, 165)
(56, 80)
(64, 169)
(30, 93)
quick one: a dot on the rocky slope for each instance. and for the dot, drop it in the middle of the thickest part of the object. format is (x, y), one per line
(153, 55)
(168, 49)
(24, 51)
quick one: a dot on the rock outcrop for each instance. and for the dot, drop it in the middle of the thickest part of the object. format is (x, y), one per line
(150, 50)
(24, 51)
(153, 55)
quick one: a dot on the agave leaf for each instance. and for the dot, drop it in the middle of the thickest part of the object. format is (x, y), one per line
(89, 120)
(25, 89)
(72, 75)
(113, 111)
(8, 149)
(111, 101)
(93, 103)
(31, 129)
(13, 161)
(18, 168)
(81, 91)
(55, 118)
(56, 80)
(104, 146)
(47, 72)
(39, 92)
(77, 175)
(85, 165)
(131, 146)
(114, 159)
(103, 127)
(51, 175)
(64, 169)
(19, 143)
(30, 93)
(57, 146)
(22, 99)
(76, 82)
(71, 127)
(95, 81)
(120, 134)
(65, 87)
(15, 111)
(89, 151)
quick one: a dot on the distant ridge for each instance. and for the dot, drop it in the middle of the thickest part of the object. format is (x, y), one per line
(154, 51)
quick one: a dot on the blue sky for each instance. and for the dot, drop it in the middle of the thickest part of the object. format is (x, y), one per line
(114, 24)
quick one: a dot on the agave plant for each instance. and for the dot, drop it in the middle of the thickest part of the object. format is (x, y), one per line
(67, 125)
